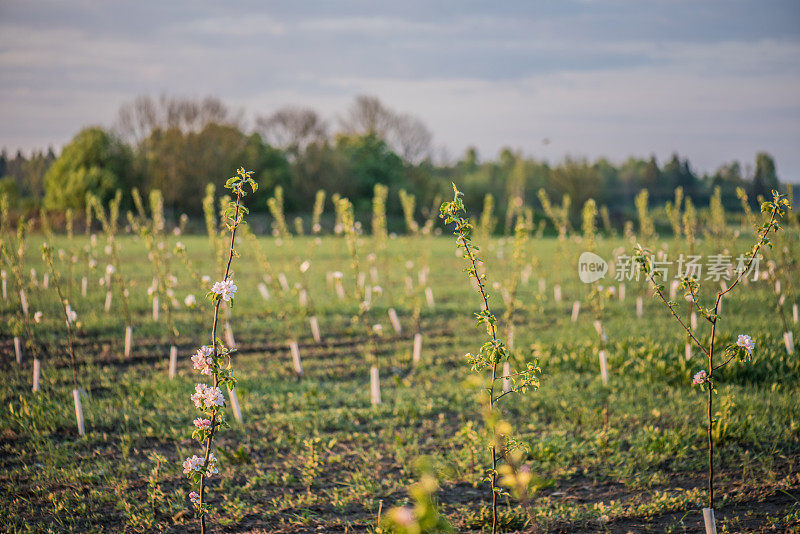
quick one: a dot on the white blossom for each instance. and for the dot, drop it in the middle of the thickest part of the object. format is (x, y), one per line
(195, 463)
(202, 361)
(226, 289)
(205, 397)
(746, 342)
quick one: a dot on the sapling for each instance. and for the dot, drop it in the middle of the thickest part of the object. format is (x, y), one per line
(514, 207)
(212, 225)
(774, 279)
(674, 213)
(380, 235)
(424, 516)
(70, 320)
(647, 234)
(215, 360)
(151, 232)
(408, 202)
(275, 205)
(559, 216)
(15, 260)
(110, 224)
(742, 349)
(305, 264)
(518, 259)
(345, 209)
(487, 221)
(717, 226)
(306, 302)
(305, 305)
(749, 220)
(70, 254)
(379, 231)
(283, 308)
(494, 351)
(690, 231)
(647, 229)
(316, 214)
(597, 298)
(779, 270)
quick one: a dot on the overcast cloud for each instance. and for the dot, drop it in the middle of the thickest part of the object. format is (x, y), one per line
(712, 80)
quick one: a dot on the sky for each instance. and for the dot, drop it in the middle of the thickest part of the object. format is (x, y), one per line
(713, 80)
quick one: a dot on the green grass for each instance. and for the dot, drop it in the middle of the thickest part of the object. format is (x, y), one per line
(642, 471)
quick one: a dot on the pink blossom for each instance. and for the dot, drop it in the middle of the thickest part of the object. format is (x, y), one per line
(226, 289)
(214, 397)
(202, 424)
(205, 397)
(202, 360)
(195, 498)
(746, 342)
(700, 377)
(212, 465)
(403, 516)
(195, 463)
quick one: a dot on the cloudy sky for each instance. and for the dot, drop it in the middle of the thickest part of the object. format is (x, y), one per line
(712, 80)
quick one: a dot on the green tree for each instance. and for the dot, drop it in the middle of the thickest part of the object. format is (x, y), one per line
(652, 180)
(9, 189)
(180, 163)
(94, 161)
(577, 179)
(368, 160)
(765, 178)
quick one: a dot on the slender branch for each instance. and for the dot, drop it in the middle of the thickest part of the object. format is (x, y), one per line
(766, 229)
(26, 321)
(63, 302)
(214, 424)
(674, 314)
(726, 362)
(474, 272)
(514, 389)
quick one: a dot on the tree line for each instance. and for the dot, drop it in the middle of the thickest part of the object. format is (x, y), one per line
(178, 145)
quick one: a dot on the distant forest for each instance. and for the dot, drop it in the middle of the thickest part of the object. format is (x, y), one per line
(179, 145)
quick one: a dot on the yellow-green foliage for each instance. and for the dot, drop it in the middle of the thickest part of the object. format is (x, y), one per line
(488, 221)
(319, 207)
(674, 212)
(211, 218)
(379, 214)
(589, 225)
(609, 230)
(275, 205)
(716, 217)
(157, 211)
(558, 216)
(646, 228)
(690, 222)
(408, 202)
(749, 218)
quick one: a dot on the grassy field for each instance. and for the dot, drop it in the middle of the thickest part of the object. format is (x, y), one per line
(313, 455)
